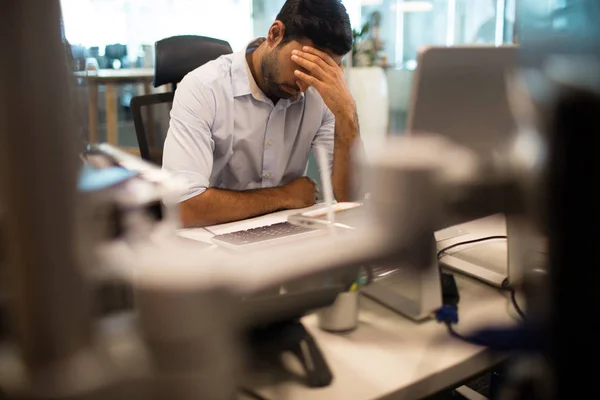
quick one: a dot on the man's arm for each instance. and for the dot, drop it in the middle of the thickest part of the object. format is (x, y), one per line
(328, 78)
(338, 136)
(217, 206)
(346, 136)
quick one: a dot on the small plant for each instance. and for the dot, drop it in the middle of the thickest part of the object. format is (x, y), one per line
(367, 48)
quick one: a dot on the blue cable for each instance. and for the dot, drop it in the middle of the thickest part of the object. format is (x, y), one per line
(523, 337)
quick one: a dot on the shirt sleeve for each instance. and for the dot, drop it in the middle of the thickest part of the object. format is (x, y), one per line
(325, 137)
(188, 149)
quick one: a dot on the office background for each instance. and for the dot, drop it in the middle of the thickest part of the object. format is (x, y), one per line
(120, 34)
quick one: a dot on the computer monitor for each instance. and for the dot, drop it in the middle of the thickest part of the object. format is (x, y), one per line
(461, 93)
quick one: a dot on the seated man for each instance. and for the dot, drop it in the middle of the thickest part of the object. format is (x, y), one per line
(242, 126)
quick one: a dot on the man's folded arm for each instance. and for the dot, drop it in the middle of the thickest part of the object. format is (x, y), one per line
(217, 206)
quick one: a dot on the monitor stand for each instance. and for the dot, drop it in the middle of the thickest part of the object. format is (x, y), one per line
(270, 341)
(407, 288)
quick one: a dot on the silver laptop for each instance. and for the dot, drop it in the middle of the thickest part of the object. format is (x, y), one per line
(461, 92)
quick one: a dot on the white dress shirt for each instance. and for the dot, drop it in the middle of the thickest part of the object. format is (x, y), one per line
(225, 133)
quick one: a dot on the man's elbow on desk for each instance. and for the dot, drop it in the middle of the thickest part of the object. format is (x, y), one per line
(193, 212)
(212, 207)
(216, 206)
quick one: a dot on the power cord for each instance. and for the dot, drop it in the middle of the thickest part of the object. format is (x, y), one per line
(457, 335)
(448, 313)
(513, 299)
(440, 253)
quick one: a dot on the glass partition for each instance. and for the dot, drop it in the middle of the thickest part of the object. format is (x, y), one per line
(120, 34)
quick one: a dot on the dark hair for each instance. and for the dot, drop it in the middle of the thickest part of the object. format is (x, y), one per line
(325, 22)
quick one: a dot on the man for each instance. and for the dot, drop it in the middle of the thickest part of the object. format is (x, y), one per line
(242, 126)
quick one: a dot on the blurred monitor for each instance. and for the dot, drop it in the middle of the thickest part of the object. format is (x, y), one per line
(461, 93)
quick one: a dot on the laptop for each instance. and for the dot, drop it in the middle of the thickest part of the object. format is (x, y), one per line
(282, 228)
(264, 236)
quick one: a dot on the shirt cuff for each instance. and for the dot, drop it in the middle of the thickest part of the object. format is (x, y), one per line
(190, 194)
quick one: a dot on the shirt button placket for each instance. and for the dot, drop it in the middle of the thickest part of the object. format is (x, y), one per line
(269, 157)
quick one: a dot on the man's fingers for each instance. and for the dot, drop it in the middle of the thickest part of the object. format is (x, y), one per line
(310, 80)
(321, 54)
(311, 58)
(312, 67)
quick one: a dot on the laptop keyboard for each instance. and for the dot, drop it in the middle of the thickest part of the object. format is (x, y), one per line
(262, 234)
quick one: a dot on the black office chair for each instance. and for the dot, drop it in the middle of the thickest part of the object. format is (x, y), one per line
(116, 56)
(174, 58)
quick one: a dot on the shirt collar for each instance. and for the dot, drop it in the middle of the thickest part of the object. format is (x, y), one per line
(240, 74)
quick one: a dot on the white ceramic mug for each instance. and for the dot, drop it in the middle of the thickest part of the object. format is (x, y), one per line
(342, 315)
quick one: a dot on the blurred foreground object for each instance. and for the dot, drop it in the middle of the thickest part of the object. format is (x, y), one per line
(559, 122)
(49, 299)
(169, 351)
(58, 350)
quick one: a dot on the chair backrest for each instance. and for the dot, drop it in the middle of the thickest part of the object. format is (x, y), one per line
(151, 120)
(174, 58)
(177, 55)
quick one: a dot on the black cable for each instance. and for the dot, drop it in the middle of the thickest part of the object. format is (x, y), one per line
(513, 299)
(251, 393)
(483, 239)
(457, 335)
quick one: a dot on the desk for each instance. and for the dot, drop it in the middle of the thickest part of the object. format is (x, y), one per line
(111, 78)
(389, 356)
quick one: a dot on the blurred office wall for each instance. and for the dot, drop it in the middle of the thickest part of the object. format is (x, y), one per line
(407, 25)
(403, 26)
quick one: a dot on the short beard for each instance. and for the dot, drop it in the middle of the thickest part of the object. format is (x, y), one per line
(270, 70)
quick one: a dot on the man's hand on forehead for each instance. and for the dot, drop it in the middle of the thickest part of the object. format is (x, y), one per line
(321, 71)
(323, 55)
(315, 63)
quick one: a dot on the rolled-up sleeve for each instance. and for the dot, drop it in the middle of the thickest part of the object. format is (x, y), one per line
(325, 136)
(188, 148)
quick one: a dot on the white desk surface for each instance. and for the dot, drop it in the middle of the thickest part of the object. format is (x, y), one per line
(389, 356)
